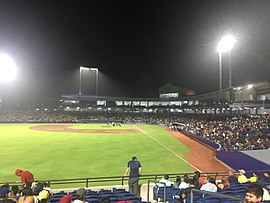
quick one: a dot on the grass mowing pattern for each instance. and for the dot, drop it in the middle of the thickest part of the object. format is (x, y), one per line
(60, 155)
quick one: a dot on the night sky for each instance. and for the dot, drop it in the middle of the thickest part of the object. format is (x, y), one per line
(137, 46)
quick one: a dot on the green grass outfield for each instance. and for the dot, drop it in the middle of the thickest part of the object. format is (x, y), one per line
(62, 155)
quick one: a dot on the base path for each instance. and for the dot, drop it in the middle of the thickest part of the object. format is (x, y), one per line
(68, 129)
(200, 155)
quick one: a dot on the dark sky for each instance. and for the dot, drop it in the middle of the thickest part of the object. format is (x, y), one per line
(138, 46)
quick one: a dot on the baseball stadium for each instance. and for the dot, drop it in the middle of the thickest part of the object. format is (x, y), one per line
(86, 141)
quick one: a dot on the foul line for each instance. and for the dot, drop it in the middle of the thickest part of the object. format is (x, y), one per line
(168, 148)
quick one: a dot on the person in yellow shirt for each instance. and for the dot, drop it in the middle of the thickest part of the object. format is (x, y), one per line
(254, 177)
(242, 177)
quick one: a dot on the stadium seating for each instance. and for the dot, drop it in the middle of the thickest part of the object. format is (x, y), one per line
(115, 196)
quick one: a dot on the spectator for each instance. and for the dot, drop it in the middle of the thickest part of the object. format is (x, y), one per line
(27, 177)
(80, 196)
(27, 196)
(177, 182)
(14, 194)
(166, 181)
(232, 178)
(3, 193)
(242, 178)
(43, 196)
(224, 183)
(181, 197)
(105, 200)
(66, 199)
(210, 185)
(266, 176)
(254, 177)
(185, 183)
(195, 183)
(202, 181)
(135, 170)
(254, 193)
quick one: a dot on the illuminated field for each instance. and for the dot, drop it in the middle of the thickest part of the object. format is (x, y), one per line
(81, 154)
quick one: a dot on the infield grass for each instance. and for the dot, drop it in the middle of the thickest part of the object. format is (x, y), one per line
(62, 155)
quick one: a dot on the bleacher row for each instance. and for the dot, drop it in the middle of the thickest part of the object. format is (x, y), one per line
(115, 195)
(236, 190)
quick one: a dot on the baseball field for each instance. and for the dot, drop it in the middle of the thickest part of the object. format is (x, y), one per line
(62, 151)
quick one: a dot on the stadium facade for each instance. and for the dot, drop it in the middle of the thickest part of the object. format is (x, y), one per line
(250, 99)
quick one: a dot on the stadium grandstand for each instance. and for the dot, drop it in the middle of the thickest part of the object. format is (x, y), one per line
(233, 123)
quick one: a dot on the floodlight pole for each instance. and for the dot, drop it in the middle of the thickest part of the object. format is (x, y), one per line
(220, 70)
(230, 70)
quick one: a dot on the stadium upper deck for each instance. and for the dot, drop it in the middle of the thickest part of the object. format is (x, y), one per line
(244, 99)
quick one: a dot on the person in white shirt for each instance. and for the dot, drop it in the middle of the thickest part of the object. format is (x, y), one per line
(210, 185)
(165, 180)
(185, 183)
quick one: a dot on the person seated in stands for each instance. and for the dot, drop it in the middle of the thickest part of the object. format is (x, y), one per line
(231, 177)
(185, 183)
(195, 183)
(254, 177)
(254, 193)
(242, 177)
(14, 194)
(177, 182)
(181, 197)
(27, 196)
(43, 196)
(210, 185)
(105, 200)
(165, 180)
(80, 196)
(266, 176)
(201, 180)
(223, 184)
(66, 199)
(3, 193)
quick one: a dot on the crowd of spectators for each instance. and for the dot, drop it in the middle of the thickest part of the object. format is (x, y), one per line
(242, 132)
(229, 184)
(236, 133)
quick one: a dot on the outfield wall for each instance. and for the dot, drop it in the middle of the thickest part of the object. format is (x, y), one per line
(247, 160)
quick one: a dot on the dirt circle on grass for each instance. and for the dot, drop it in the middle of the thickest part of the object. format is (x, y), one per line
(200, 156)
(68, 129)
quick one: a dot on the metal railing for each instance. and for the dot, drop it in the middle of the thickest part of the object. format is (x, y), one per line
(116, 179)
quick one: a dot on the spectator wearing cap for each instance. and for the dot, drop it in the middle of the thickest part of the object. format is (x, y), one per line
(66, 199)
(242, 177)
(135, 170)
(3, 193)
(27, 177)
(80, 196)
(27, 196)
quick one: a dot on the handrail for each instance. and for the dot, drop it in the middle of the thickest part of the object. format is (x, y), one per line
(120, 179)
(214, 194)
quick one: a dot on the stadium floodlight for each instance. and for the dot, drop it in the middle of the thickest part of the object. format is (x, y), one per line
(7, 71)
(225, 45)
(91, 69)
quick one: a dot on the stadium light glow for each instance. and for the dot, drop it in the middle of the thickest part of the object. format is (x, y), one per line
(7, 72)
(80, 82)
(226, 44)
(7, 68)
